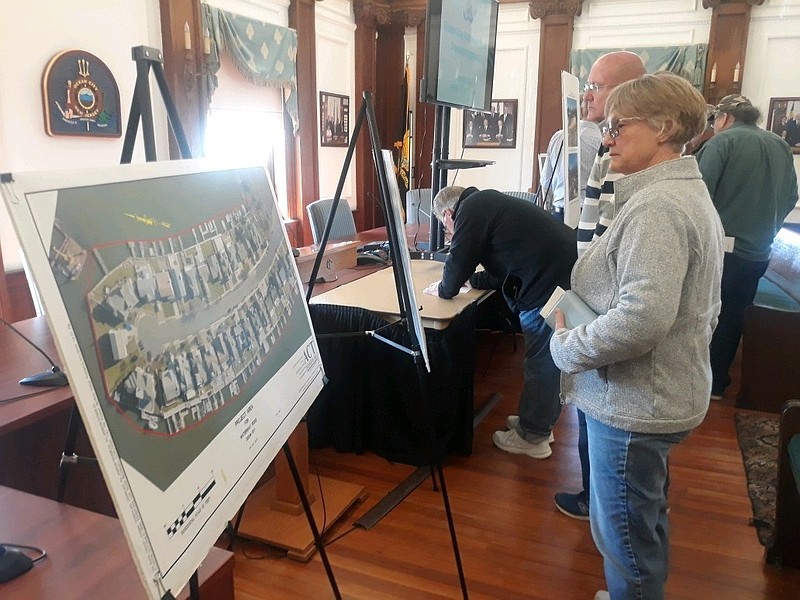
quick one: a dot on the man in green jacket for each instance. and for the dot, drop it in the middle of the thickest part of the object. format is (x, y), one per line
(751, 178)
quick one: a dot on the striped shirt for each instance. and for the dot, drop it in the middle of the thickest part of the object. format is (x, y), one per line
(598, 210)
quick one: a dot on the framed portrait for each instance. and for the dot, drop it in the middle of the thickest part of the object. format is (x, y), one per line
(334, 115)
(783, 119)
(495, 129)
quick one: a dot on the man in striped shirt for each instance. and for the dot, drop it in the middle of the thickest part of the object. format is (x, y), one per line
(606, 73)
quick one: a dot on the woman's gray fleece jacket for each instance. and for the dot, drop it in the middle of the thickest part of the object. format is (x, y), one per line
(654, 280)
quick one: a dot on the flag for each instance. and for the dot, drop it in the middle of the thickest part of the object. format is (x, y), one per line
(403, 143)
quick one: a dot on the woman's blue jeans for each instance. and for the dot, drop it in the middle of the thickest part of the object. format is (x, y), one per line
(629, 508)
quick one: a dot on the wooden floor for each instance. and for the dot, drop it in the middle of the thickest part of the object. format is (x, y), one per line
(513, 541)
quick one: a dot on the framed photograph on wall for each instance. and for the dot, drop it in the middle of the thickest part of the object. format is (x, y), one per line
(495, 129)
(783, 119)
(334, 114)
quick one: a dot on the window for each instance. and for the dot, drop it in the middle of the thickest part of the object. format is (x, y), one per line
(249, 135)
(245, 122)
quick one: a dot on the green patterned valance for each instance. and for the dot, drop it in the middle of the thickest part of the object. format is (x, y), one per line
(687, 61)
(264, 53)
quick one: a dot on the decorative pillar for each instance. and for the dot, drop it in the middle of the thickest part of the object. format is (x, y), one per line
(368, 15)
(727, 44)
(303, 160)
(555, 43)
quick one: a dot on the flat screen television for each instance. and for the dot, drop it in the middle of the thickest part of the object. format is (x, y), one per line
(460, 37)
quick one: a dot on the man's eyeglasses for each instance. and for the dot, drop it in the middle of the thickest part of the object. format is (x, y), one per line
(591, 86)
(611, 129)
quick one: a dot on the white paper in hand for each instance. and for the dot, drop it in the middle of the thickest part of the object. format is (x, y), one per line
(433, 288)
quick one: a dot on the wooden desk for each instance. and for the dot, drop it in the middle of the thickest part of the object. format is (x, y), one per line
(87, 556)
(376, 292)
(17, 360)
(33, 430)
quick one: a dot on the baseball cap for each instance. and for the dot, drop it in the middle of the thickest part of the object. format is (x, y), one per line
(730, 102)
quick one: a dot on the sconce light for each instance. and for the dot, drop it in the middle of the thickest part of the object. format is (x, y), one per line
(190, 71)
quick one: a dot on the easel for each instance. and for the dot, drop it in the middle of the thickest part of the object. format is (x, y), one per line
(402, 285)
(148, 59)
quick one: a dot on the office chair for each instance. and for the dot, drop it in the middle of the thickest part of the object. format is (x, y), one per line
(529, 196)
(418, 206)
(343, 227)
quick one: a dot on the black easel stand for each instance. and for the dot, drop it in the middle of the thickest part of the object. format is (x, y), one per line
(141, 110)
(439, 176)
(148, 59)
(310, 516)
(402, 286)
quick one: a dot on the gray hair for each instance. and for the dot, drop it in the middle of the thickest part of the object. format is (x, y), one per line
(744, 113)
(446, 198)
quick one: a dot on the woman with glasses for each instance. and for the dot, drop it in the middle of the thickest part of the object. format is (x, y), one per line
(640, 371)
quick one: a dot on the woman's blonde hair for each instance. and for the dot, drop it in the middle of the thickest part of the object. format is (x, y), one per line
(665, 100)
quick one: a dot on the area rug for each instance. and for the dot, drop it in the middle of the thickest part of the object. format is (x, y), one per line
(758, 441)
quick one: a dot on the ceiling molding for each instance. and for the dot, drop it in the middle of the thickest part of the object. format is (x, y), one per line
(540, 9)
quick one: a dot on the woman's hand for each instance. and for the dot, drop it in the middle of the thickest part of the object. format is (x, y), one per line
(561, 321)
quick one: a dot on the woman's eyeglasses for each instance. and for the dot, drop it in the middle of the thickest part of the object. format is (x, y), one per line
(611, 128)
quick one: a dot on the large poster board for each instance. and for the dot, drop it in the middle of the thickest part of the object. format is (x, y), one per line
(402, 255)
(570, 116)
(180, 319)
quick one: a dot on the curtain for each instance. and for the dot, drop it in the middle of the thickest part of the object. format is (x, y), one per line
(265, 54)
(687, 61)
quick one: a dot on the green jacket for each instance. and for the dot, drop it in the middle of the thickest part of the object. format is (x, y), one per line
(751, 178)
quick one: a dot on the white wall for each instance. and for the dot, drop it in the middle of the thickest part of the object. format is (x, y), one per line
(33, 32)
(335, 26)
(774, 40)
(110, 28)
(515, 77)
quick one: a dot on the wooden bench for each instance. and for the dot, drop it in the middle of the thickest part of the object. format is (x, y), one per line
(771, 332)
(786, 550)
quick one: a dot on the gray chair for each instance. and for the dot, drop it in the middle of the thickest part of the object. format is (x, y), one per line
(418, 206)
(529, 196)
(344, 226)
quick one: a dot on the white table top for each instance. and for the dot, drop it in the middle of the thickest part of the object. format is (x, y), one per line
(377, 292)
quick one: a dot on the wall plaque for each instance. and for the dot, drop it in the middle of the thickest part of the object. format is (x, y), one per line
(80, 96)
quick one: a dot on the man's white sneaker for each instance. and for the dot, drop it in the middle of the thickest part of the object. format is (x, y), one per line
(513, 420)
(511, 442)
(602, 595)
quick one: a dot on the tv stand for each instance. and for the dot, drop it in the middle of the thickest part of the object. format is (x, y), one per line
(441, 164)
(449, 164)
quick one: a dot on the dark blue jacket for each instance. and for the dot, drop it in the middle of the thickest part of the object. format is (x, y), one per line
(525, 251)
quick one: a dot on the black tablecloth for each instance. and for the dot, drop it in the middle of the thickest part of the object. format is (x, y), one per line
(373, 401)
